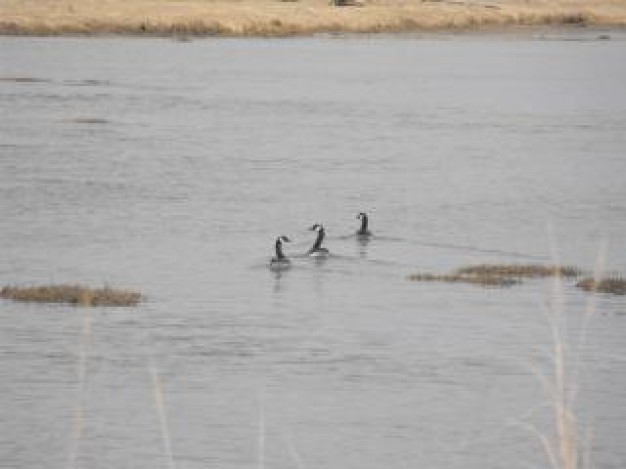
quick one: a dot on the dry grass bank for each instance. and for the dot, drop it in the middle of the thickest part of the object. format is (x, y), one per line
(294, 17)
(72, 294)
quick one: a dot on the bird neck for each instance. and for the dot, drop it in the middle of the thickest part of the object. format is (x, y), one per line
(363, 224)
(279, 249)
(320, 238)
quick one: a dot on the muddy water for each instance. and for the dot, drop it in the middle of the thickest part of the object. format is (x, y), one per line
(171, 167)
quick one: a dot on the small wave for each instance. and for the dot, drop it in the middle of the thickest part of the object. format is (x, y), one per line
(89, 120)
(599, 37)
(453, 246)
(12, 146)
(459, 247)
(87, 82)
(343, 237)
(24, 80)
(469, 248)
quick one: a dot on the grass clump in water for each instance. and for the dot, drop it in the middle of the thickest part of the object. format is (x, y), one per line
(500, 275)
(77, 295)
(484, 280)
(612, 285)
(519, 270)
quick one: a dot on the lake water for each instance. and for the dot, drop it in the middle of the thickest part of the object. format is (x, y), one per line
(171, 167)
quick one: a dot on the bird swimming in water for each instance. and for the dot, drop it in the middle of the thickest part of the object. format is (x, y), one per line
(280, 261)
(317, 250)
(363, 232)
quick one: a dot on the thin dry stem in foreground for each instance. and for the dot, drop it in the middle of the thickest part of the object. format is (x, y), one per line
(564, 418)
(78, 295)
(288, 18)
(567, 451)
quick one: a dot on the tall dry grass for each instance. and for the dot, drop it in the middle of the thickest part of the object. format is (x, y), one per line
(299, 17)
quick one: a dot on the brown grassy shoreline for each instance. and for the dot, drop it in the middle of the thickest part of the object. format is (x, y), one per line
(278, 18)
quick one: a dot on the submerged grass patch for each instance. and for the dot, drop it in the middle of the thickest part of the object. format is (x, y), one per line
(23, 80)
(612, 285)
(484, 280)
(519, 270)
(78, 295)
(504, 275)
(501, 275)
(89, 120)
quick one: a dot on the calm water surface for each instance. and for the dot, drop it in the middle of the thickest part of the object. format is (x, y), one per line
(170, 167)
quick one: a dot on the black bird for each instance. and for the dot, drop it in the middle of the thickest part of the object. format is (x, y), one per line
(363, 232)
(280, 261)
(317, 250)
